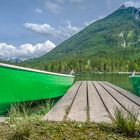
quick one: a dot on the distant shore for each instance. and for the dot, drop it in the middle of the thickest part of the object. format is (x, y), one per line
(121, 72)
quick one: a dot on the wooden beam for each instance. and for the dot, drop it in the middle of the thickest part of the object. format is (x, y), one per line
(58, 112)
(125, 102)
(94, 101)
(78, 111)
(97, 110)
(109, 102)
(125, 93)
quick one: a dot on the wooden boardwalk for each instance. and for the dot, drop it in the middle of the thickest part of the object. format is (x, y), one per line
(93, 101)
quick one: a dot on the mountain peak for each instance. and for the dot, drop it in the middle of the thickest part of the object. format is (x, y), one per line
(122, 6)
(125, 6)
(107, 36)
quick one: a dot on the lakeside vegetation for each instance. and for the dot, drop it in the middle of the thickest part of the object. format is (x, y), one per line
(23, 127)
(28, 109)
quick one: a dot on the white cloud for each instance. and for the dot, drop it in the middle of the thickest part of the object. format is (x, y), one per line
(40, 28)
(38, 10)
(25, 51)
(76, 1)
(60, 32)
(94, 20)
(68, 30)
(56, 6)
(101, 17)
(53, 6)
(132, 4)
(89, 22)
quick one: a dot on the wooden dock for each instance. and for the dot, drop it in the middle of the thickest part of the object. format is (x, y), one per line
(93, 101)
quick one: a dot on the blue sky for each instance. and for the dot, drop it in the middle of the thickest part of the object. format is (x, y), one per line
(36, 21)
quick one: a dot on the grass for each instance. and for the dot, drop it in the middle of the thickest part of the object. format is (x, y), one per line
(19, 110)
(26, 109)
(67, 109)
(32, 127)
(127, 123)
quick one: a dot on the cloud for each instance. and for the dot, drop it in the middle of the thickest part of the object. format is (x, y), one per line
(38, 10)
(132, 4)
(94, 20)
(89, 22)
(54, 6)
(41, 28)
(76, 1)
(68, 30)
(25, 51)
(60, 32)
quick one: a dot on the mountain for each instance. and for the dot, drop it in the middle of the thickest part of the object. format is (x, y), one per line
(109, 44)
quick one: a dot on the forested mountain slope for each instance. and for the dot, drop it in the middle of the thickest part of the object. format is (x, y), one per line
(109, 44)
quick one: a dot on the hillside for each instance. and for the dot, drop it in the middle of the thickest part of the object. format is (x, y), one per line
(109, 44)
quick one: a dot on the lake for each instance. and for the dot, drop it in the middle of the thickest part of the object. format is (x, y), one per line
(122, 80)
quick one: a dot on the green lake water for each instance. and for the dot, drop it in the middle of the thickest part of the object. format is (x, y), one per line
(122, 80)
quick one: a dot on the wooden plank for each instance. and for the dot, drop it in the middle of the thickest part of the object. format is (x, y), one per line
(128, 104)
(58, 112)
(126, 93)
(95, 100)
(78, 111)
(97, 110)
(108, 100)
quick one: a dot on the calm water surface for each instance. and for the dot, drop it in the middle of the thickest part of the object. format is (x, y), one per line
(121, 80)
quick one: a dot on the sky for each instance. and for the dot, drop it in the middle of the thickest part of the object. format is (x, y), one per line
(31, 28)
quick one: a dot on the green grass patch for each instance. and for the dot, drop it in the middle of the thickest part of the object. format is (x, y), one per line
(27, 109)
(127, 123)
(34, 128)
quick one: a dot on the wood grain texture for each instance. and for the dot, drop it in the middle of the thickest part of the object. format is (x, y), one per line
(97, 110)
(58, 112)
(78, 111)
(126, 93)
(109, 101)
(93, 100)
(125, 102)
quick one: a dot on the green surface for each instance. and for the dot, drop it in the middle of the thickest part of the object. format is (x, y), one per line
(136, 84)
(20, 85)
